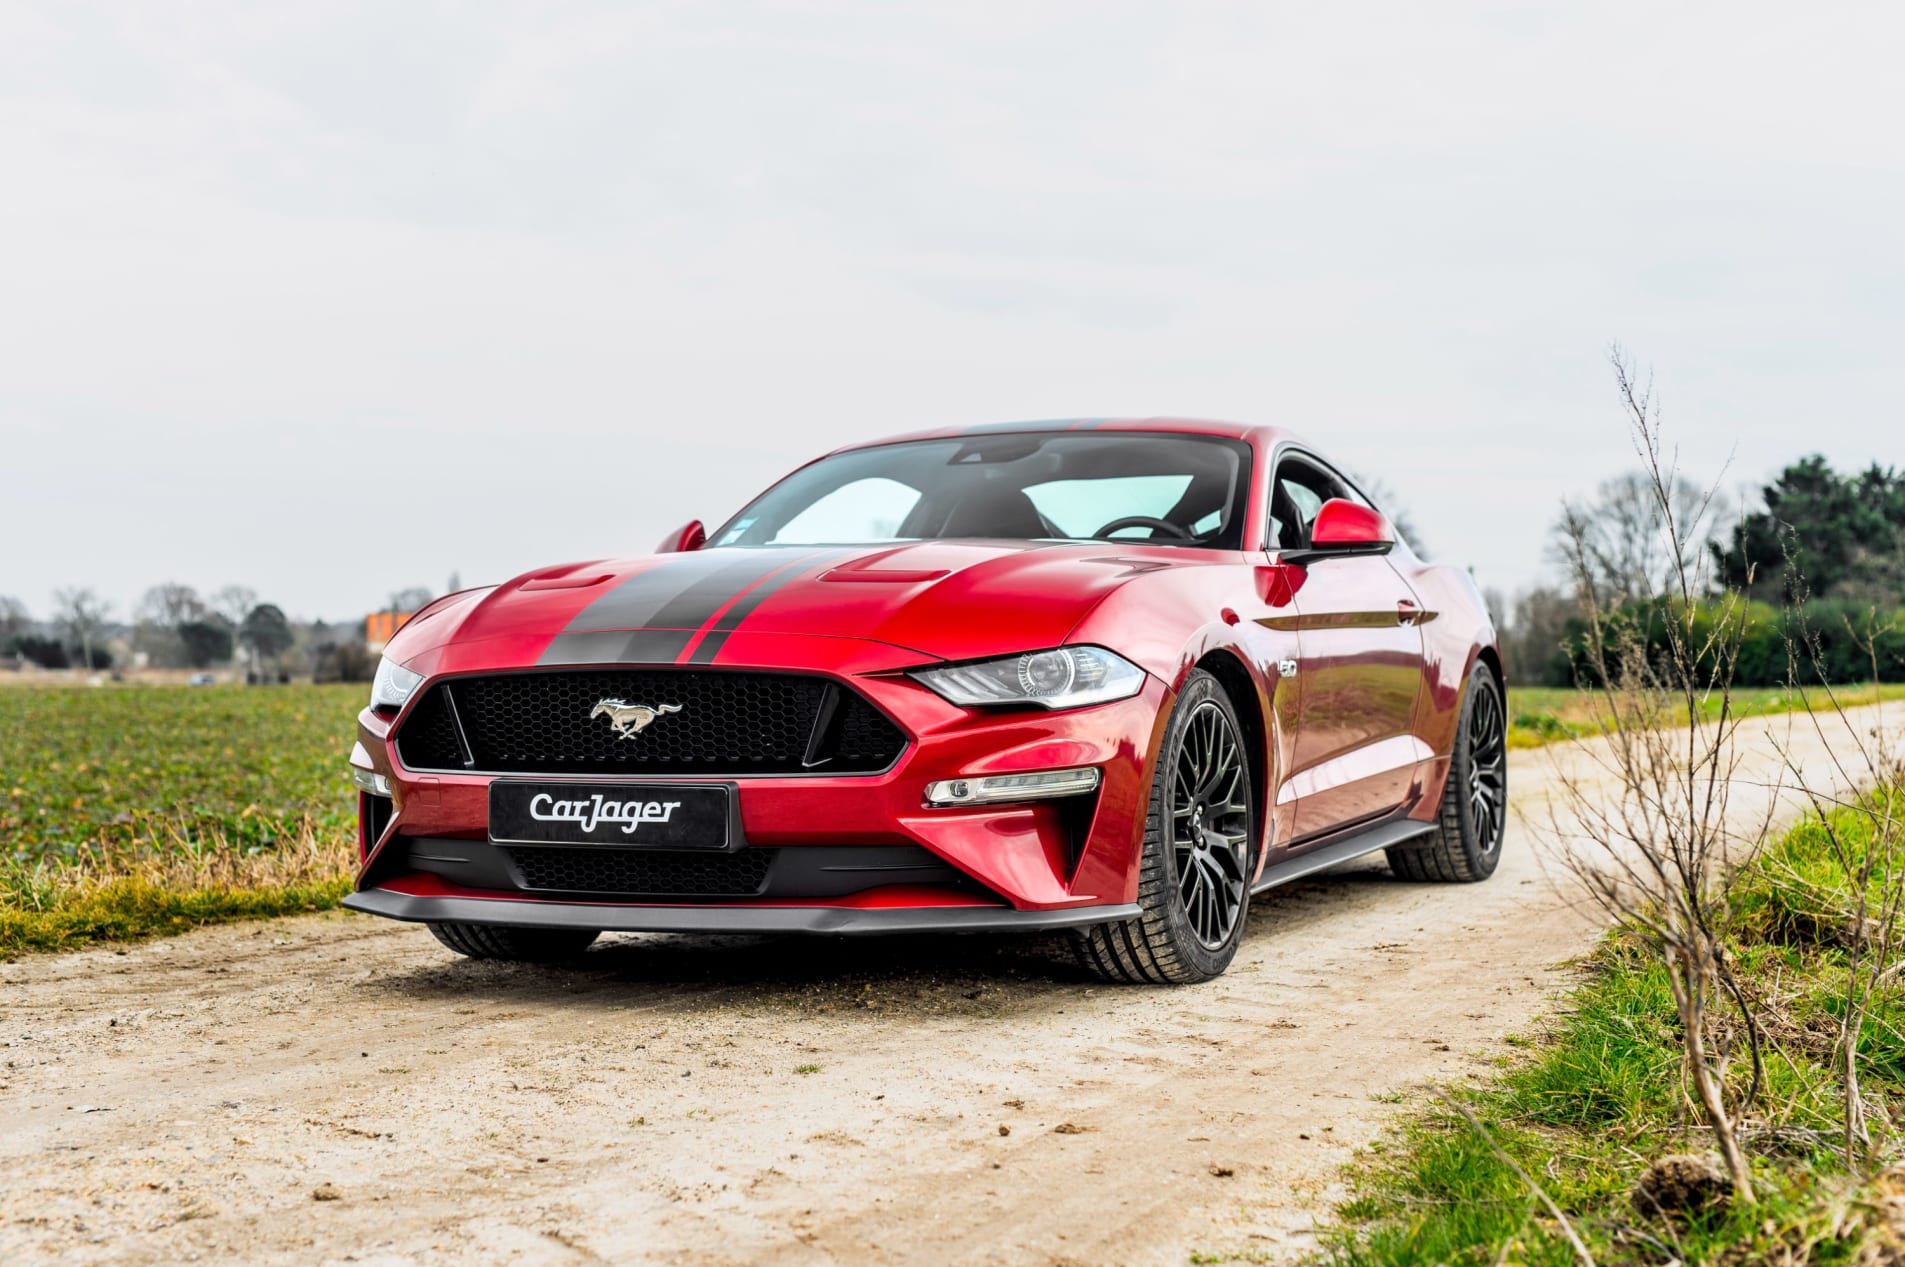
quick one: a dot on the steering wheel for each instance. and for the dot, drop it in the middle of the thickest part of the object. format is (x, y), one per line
(1145, 521)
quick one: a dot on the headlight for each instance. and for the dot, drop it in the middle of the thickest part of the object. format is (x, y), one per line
(393, 684)
(1067, 677)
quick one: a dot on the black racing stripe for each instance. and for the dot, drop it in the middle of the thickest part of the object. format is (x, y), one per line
(617, 646)
(596, 646)
(682, 594)
(694, 606)
(731, 619)
(654, 646)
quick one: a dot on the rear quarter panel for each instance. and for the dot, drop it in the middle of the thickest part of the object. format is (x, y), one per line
(1456, 632)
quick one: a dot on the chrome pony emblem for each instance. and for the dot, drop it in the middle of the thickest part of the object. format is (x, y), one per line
(629, 720)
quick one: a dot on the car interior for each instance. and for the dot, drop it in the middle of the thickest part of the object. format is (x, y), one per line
(1156, 489)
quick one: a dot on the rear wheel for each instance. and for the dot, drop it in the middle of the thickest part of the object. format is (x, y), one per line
(522, 945)
(1467, 843)
(1194, 878)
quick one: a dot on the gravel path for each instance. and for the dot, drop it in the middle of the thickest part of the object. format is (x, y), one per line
(336, 1088)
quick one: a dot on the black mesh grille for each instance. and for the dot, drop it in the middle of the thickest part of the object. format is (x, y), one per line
(430, 735)
(728, 723)
(643, 873)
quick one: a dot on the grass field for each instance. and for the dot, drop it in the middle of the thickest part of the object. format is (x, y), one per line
(1541, 715)
(133, 810)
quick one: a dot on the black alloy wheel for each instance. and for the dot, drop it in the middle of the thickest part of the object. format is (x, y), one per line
(1488, 770)
(1210, 825)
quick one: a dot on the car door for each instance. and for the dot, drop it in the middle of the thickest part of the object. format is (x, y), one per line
(1359, 666)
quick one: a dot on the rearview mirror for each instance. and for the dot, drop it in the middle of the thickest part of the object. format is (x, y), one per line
(1343, 528)
(690, 536)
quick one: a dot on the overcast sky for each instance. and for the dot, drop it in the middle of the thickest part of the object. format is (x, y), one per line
(330, 299)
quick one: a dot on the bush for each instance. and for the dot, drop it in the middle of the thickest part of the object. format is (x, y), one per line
(345, 662)
(205, 643)
(1847, 641)
(48, 653)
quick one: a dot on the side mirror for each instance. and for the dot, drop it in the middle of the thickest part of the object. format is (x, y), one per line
(1344, 529)
(690, 536)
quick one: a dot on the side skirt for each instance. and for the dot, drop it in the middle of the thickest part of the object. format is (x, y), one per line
(1384, 835)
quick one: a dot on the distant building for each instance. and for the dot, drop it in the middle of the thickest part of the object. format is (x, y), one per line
(381, 627)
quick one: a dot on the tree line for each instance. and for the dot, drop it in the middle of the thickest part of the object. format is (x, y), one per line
(174, 626)
(1818, 554)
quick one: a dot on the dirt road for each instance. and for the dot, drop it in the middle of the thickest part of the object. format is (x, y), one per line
(340, 1089)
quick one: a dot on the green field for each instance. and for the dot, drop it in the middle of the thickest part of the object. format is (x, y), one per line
(1543, 715)
(132, 810)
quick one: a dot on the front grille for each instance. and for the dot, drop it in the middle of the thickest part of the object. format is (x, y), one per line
(643, 872)
(729, 723)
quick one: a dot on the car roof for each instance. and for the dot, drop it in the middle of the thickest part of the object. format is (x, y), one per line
(1260, 436)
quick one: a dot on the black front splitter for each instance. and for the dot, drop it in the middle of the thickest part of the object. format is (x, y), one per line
(610, 918)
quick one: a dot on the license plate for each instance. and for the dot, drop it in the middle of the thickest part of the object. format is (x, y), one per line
(642, 815)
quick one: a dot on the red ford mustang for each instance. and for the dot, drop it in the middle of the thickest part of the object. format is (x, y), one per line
(1105, 676)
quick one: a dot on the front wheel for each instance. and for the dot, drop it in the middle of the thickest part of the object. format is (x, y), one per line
(1467, 843)
(521, 945)
(1199, 831)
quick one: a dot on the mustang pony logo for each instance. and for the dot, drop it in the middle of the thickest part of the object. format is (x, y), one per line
(628, 720)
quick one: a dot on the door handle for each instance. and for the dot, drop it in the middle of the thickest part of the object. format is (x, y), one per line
(1407, 611)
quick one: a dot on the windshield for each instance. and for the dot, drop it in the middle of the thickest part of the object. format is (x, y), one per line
(1184, 490)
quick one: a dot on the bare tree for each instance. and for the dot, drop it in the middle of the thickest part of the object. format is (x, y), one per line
(1661, 858)
(161, 618)
(14, 618)
(170, 605)
(1390, 504)
(1619, 545)
(409, 600)
(233, 603)
(82, 612)
(1532, 631)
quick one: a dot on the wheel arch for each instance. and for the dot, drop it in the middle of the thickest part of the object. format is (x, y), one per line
(1253, 707)
(1433, 787)
(1492, 657)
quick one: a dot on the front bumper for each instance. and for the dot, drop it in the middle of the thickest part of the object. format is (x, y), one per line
(1041, 864)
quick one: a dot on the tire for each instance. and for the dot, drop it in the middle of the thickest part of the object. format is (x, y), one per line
(1467, 843)
(519, 945)
(1193, 885)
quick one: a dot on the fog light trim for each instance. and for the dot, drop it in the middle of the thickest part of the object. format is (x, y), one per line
(363, 777)
(993, 789)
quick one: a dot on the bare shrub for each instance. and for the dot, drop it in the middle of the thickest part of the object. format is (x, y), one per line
(1864, 834)
(1661, 858)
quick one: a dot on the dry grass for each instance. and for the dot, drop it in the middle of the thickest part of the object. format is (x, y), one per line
(183, 879)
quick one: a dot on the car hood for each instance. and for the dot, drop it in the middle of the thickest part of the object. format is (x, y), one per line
(949, 600)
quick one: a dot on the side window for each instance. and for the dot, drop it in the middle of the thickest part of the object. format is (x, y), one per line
(1300, 492)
